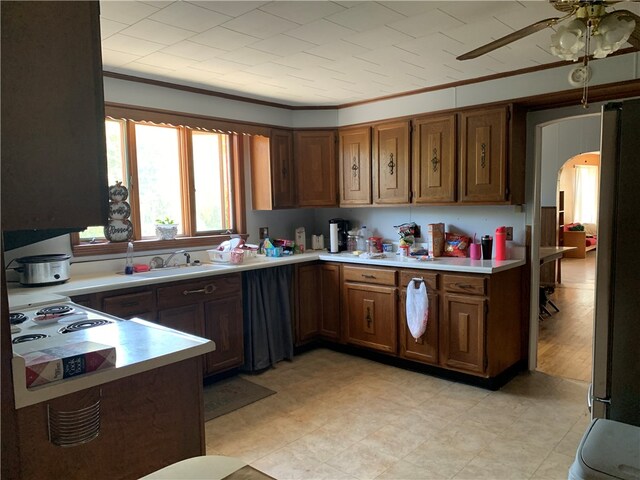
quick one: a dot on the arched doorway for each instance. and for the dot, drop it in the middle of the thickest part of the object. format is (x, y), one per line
(565, 329)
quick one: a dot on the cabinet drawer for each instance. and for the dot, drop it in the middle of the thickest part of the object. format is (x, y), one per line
(431, 279)
(129, 304)
(465, 284)
(193, 292)
(376, 276)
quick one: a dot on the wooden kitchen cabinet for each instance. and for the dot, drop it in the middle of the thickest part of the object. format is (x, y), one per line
(146, 422)
(273, 180)
(355, 166)
(53, 135)
(223, 324)
(133, 303)
(391, 160)
(187, 319)
(370, 308)
(210, 308)
(330, 324)
(483, 155)
(309, 300)
(463, 333)
(434, 159)
(316, 168)
(426, 348)
(318, 302)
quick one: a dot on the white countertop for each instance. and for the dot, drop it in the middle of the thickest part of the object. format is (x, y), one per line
(140, 346)
(447, 264)
(106, 281)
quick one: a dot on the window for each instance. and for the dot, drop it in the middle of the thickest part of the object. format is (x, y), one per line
(188, 174)
(585, 208)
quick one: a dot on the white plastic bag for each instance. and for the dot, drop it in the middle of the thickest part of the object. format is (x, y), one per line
(417, 308)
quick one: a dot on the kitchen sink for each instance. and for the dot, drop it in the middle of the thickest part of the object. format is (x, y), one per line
(178, 270)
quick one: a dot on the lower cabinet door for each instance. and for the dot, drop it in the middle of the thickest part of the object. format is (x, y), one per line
(187, 319)
(223, 325)
(371, 316)
(330, 325)
(309, 308)
(425, 348)
(463, 334)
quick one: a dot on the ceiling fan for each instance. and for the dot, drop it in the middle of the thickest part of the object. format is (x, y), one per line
(591, 23)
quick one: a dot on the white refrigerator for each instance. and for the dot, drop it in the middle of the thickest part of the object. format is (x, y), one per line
(615, 389)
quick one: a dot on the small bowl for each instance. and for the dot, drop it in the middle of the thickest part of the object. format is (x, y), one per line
(219, 256)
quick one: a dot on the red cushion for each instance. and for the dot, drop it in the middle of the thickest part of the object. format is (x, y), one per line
(569, 226)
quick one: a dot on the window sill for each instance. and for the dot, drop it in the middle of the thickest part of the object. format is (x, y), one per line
(106, 248)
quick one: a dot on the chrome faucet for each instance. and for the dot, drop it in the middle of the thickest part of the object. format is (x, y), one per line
(170, 257)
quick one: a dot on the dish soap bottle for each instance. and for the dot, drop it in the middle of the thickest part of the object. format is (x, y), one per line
(128, 266)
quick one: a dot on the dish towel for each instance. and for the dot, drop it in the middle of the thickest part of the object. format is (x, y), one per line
(417, 308)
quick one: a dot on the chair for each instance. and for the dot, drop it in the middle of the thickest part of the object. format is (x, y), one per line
(545, 292)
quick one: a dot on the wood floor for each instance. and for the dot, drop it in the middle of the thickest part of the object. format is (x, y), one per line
(566, 337)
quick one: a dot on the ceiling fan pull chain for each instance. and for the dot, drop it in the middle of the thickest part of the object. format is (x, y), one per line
(585, 65)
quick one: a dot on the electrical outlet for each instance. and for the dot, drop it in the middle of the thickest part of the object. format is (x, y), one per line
(263, 232)
(509, 233)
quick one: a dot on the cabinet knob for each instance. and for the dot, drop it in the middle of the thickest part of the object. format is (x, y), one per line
(208, 289)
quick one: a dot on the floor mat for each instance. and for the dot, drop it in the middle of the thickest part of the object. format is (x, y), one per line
(231, 394)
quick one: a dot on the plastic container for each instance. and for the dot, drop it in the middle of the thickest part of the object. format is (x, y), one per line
(608, 450)
(219, 256)
(237, 256)
(352, 240)
(362, 238)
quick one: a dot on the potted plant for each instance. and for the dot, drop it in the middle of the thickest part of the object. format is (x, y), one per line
(166, 229)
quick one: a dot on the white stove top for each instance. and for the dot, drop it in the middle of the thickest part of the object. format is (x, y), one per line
(36, 324)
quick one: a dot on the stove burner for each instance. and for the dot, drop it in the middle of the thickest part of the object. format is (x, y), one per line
(55, 310)
(29, 337)
(76, 326)
(17, 318)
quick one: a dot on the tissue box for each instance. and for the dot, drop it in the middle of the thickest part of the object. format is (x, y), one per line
(65, 361)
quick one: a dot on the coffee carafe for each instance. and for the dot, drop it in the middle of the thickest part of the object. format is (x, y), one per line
(341, 237)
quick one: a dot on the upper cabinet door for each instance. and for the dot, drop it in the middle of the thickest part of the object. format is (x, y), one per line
(483, 155)
(434, 159)
(355, 166)
(391, 163)
(315, 156)
(54, 165)
(283, 177)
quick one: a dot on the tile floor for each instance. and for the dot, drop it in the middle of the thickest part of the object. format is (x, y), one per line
(337, 416)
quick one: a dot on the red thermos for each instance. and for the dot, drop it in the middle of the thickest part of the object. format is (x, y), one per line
(500, 240)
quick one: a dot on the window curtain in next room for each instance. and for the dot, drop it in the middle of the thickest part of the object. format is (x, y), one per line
(585, 206)
(268, 336)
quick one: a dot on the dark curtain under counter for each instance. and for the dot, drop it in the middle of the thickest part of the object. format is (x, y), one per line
(268, 336)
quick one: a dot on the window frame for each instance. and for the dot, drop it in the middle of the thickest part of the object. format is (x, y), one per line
(203, 239)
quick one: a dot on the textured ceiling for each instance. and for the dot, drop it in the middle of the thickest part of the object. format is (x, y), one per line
(319, 52)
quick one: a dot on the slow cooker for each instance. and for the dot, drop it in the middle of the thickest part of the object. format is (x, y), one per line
(41, 270)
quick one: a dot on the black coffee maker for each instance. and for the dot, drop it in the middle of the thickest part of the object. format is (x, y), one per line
(343, 228)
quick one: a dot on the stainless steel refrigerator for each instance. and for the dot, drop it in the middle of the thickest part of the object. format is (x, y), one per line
(615, 391)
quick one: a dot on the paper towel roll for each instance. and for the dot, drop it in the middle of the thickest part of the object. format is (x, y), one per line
(333, 237)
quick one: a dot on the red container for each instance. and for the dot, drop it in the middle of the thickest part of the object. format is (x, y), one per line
(500, 240)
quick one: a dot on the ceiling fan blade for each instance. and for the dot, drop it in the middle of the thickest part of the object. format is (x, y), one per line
(634, 39)
(512, 37)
